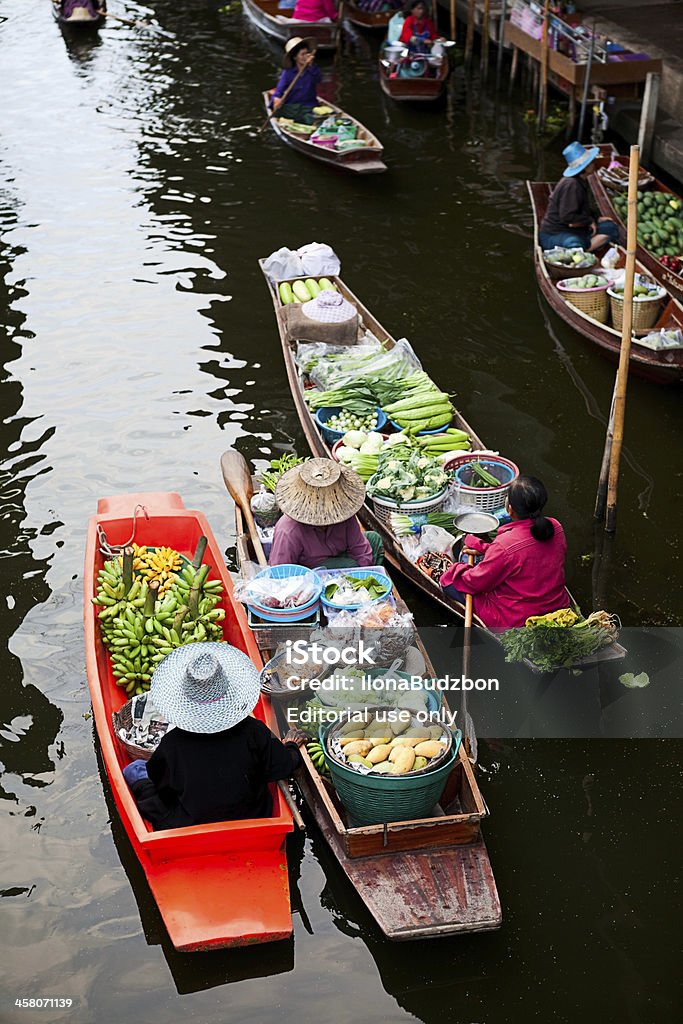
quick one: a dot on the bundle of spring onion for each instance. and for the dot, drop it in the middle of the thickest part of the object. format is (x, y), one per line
(424, 407)
(550, 646)
(402, 525)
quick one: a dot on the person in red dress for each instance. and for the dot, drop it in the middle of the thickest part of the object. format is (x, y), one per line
(418, 30)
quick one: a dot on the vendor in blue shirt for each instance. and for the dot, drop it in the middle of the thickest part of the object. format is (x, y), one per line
(299, 103)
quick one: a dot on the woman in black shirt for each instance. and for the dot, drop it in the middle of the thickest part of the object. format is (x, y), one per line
(568, 219)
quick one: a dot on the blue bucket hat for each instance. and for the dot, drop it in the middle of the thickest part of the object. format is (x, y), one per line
(578, 158)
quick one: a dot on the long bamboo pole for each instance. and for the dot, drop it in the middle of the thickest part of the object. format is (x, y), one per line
(453, 25)
(485, 40)
(624, 354)
(543, 86)
(501, 42)
(469, 38)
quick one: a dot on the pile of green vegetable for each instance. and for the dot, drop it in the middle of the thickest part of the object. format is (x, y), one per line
(550, 646)
(270, 478)
(423, 407)
(585, 282)
(450, 440)
(304, 291)
(660, 221)
(405, 474)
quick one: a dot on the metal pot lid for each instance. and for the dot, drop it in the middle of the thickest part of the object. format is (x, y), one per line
(477, 523)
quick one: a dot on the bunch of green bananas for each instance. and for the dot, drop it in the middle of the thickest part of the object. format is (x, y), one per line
(317, 756)
(141, 627)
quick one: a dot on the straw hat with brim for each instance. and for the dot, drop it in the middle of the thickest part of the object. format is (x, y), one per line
(320, 493)
(205, 687)
(296, 43)
(578, 158)
(328, 307)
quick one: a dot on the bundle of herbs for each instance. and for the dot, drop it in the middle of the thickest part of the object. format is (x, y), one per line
(550, 646)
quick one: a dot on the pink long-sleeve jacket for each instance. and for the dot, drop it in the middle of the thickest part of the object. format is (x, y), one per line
(518, 576)
(315, 10)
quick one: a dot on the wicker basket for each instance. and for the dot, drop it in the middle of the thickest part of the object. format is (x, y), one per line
(384, 507)
(645, 311)
(485, 499)
(379, 799)
(557, 273)
(591, 301)
(123, 719)
(619, 182)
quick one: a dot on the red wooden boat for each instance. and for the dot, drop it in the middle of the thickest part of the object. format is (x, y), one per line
(671, 281)
(660, 367)
(217, 885)
(425, 89)
(267, 16)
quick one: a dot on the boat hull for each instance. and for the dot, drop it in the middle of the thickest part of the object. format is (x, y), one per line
(77, 24)
(266, 18)
(371, 21)
(357, 161)
(414, 90)
(217, 885)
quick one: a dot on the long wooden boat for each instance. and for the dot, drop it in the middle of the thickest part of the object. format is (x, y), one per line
(413, 90)
(370, 20)
(267, 16)
(660, 367)
(603, 197)
(80, 20)
(217, 885)
(420, 879)
(358, 161)
(393, 551)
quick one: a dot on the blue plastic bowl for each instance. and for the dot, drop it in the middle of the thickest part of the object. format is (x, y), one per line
(323, 415)
(357, 574)
(282, 572)
(439, 430)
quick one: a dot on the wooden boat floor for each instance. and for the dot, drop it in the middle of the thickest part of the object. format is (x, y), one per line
(418, 894)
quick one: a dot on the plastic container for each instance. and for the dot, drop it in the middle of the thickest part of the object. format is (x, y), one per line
(358, 574)
(486, 499)
(323, 415)
(282, 572)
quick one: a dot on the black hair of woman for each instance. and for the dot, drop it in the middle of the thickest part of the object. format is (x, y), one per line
(527, 497)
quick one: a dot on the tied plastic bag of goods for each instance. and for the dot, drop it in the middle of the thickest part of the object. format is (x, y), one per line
(283, 265)
(661, 340)
(292, 592)
(319, 260)
(264, 508)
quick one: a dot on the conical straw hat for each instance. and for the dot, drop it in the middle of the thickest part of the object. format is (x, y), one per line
(320, 492)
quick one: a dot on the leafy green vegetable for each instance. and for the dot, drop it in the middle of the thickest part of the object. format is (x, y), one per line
(634, 682)
(375, 587)
(552, 647)
(270, 478)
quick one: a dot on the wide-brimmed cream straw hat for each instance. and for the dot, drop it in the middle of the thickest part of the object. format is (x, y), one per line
(206, 687)
(295, 43)
(320, 493)
(328, 307)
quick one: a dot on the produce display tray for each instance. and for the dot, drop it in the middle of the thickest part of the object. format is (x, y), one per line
(269, 634)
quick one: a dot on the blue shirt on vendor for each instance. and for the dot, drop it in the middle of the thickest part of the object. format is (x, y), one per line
(303, 76)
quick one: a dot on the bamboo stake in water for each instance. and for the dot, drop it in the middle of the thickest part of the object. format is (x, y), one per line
(469, 38)
(485, 40)
(543, 88)
(453, 27)
(624, 355)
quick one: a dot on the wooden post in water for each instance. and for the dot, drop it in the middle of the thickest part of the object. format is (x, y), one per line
(453, 26)
(485, 40)
(625, 352)
(513, 68)
(501, 42)
(543, 87)
(648, 116)
(469, 38)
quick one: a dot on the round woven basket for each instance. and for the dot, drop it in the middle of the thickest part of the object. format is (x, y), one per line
(645, 311)
(557, 273)
(123, 719)
(378, 799)
(383, 507)
(486, 499)
(591, 301)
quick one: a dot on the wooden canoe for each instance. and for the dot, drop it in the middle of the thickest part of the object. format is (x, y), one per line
(413, 90)
(603, 197)
(393, 551)
(370, 20)
(217, 885)
(664, 367)
(79, 24)
(358, 161)
(266, 15)
(419, 879)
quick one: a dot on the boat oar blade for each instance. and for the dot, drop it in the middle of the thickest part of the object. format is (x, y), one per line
(238, 482)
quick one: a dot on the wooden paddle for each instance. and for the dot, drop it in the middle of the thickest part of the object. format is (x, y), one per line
(285, 94)
(238, 481)
(469, 736)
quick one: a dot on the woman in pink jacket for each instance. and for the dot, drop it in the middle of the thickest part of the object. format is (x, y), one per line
(315, 10)
(522, 570)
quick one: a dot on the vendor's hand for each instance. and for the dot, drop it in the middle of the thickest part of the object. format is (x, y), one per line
(297, 736)
(277, 102)
(470, 551)
(593, 227)
(308, 59)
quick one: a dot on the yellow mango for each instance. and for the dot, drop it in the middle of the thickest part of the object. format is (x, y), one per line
(379, 740)
(406, 741)
(386, 768)
(429, 749)
(358, 759)
(403, 757)
(351, 738)
(399, 726)
(357, 747)
(420, 763)
(379, 753)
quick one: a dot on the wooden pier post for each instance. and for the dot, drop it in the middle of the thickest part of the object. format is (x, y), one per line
(501, 42)
(485, 40)
(543, 87)
(469, 38)
(648, 116)
(513, 68)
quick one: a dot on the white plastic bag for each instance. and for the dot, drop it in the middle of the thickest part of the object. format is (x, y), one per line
(661, 340)
(283, 265)
(436, 539)
(319, 260)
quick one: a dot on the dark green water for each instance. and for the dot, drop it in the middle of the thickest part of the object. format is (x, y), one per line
(136, 199)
